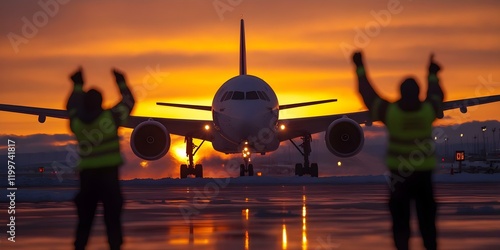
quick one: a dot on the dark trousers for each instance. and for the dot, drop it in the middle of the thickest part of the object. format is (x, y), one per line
(99, 185)
(418, 186)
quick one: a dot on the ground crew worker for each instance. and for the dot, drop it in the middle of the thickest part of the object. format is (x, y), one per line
(410, 155)
(95, 129)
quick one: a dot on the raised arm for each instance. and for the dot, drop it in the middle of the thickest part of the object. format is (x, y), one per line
(122, 110)
(75, 101)
(372, 100)
(435, 94)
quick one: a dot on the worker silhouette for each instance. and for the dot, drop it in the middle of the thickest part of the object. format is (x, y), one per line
(410, 154)
(95, 129)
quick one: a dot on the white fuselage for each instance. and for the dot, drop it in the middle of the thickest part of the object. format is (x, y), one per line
(245, 114)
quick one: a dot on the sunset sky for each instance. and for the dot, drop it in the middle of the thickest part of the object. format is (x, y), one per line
(182, 51)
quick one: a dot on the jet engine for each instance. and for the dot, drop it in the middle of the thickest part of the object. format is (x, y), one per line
(150, 140)
(344, 137)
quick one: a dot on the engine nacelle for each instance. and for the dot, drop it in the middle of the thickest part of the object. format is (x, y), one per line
(150, 140)
(344, 137)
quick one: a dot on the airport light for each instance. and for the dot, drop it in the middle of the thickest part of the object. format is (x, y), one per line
(282, 127)
(435, 141)
(245, 213)
(339, 163)
(483, 129)
(207, 127)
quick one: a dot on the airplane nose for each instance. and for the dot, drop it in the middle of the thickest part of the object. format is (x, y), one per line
(249, 124)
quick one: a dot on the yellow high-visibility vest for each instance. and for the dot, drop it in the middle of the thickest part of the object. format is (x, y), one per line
(411, 147)
(98, 142)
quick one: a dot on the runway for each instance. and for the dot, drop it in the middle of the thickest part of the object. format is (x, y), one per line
(217, 214)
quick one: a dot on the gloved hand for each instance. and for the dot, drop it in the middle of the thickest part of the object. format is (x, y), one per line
(434, 68)
(77, 77)
(118, 76)
(357, 58)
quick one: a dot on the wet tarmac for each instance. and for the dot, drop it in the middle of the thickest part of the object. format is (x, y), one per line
(219, 216)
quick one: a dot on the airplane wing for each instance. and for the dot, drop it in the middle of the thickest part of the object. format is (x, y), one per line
(303, 104)
(41, 112)
(209, 108)
(187, 106)
(295, 127)
(310, 125)
(464, 103)
(191, 128)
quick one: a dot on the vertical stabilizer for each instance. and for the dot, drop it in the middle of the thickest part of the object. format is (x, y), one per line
(243, 53)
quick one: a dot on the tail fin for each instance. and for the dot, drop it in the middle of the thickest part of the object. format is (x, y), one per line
(243, 53)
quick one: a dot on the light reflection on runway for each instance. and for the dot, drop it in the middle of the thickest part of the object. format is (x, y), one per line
(304, 228)
(266, 217)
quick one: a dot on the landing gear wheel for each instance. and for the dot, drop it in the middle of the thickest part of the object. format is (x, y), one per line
(306, 168)
(314, 169)
(298, 169)
(191, 169)
(250, 170)
(184, 171)
(198, 171)
(242, 170)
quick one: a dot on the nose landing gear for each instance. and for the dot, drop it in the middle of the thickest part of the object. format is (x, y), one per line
(246, 168)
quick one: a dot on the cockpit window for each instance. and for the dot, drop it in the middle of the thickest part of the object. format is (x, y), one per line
(223, 97)
(228, 96)
(264, 96)
(261, 96)
(238, 95)
(252, 95)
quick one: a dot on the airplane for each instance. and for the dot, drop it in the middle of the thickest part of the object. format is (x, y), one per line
(245, 120)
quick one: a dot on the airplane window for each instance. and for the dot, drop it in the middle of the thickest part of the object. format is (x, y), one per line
(228, 96)
(252, 95)
(238, 95)
(223, 97)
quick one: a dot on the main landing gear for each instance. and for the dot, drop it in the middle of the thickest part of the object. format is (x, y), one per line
(191, 169)
(307, 168)
(246, 168)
